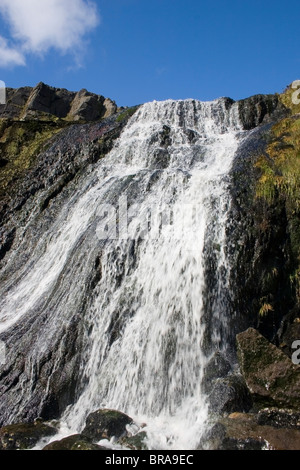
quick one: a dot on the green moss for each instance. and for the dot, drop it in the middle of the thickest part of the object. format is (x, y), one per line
(127, 114)
(136, 442)
(280, 168)
(279, 180)
(20, 143)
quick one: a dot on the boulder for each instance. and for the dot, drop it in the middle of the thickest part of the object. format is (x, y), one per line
(241, 431)
(226, 389)
(74, 442)
(229, 394)
(24, 435)
(105, 424)
(270, 375)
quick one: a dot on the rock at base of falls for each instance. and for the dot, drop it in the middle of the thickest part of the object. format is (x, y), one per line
(105, 424)
(101, 425)
(24, 435)
(271, 376)
(74, 442)
(244, 431)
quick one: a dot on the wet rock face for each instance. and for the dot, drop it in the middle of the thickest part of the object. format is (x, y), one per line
(225, 389)
(259, 246)
(105, 424)
(229, 394)
(263, 238)
(40, 192)
(42, 178)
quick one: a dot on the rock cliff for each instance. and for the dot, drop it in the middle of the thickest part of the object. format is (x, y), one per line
(48, 103)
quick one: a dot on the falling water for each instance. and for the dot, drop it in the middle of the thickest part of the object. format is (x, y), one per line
(152, 210)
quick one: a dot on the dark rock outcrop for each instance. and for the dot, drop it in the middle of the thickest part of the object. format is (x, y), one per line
(260, 109)
(225, 387)
(44, 102)
(240, 431)
(270, 375)
(105, 424)
(263, 227)
(217, 367)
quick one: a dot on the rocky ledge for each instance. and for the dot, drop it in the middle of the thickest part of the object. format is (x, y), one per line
(44, 102)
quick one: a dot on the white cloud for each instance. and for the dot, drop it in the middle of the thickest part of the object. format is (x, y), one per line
(10, 56)
(39, 25)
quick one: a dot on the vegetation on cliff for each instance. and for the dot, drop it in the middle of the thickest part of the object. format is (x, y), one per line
(20, 143)
(278, 185)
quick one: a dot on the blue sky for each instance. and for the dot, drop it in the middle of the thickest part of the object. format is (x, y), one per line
(135, 51)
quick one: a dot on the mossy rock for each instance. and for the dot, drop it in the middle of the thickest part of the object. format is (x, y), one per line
(279, 181)
(127, 113)
(136, 442)
(270, 375)
(24, 435)
(21, 142)
(242, 431)
(74, 442)
(105, 424)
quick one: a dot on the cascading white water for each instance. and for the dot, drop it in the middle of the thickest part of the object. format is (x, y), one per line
(154, 368)
(154, 204)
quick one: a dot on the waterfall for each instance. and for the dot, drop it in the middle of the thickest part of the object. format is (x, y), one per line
(152, 212)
